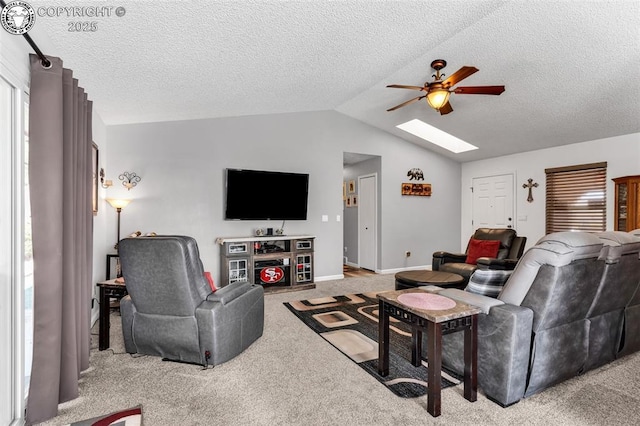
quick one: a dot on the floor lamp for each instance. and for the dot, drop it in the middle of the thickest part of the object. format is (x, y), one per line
(118, 204)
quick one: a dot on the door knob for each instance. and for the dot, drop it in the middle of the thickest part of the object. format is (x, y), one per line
(509, 219)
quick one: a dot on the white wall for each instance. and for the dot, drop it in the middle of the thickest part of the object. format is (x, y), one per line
(622, 154)
(100, 229)
(182, 189)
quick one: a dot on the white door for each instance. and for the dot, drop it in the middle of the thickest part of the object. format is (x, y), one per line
(493, 202)
(367, 221)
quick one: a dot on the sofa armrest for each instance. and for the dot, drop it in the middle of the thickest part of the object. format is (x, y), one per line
(450, 257)
(229, 292)
(228, 322)
(497, 264)
(442, 257)
(504, 346)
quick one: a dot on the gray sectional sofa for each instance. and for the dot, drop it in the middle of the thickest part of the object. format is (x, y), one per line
(572, 304)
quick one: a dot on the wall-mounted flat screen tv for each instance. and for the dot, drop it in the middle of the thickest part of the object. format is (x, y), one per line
(265, 195)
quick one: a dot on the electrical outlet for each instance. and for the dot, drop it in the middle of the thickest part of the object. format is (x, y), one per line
(407, 253)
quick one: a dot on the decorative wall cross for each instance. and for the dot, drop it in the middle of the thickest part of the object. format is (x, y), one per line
(530, 185)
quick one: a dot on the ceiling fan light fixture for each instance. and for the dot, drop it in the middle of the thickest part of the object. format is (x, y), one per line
(437, 98)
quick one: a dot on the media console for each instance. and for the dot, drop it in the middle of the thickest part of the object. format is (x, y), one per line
(277, 262)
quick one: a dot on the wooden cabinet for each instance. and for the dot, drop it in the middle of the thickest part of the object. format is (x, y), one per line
(627, 203)
(278, 263)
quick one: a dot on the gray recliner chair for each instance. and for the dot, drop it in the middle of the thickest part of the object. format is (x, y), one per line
(170, 310)
(510, 250)
(536, 333)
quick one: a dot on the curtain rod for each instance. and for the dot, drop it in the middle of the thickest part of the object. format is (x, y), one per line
(45, 62)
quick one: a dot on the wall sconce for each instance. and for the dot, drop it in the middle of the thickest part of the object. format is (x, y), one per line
(104, 183)
(129, 179)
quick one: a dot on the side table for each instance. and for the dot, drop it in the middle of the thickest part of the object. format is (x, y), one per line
(108, 289)
(450, 317)
(110, 256)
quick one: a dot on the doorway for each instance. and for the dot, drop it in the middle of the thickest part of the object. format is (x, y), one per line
(356, 167)
(493, 202)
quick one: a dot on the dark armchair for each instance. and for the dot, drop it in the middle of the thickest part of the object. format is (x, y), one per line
(509, 250)
(171, 310)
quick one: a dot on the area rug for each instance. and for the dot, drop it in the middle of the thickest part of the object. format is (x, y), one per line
(350, 324)
(128, 417)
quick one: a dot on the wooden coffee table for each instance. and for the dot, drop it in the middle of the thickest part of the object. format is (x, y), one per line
(443, 316)
(412, 279)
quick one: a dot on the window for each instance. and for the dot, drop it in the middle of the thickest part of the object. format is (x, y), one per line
(576, 198)
(15, 352)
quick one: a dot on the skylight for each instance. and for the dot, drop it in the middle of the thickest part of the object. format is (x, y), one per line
(436, 136)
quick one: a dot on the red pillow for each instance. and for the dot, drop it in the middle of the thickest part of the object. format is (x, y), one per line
(481, 248)
(207, 275)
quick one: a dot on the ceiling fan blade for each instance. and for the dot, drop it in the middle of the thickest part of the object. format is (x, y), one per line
(479, 90)
(410, 101)
(402, 86)
(446, 109)
(459, 75)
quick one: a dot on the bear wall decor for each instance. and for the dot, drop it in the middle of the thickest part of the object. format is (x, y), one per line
(416, 174)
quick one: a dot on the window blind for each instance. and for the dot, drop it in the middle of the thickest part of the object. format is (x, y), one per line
(576, 198)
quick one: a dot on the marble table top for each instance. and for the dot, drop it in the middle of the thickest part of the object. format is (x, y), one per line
(458, 310)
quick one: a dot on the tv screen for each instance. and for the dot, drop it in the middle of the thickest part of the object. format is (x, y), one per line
(263, 195)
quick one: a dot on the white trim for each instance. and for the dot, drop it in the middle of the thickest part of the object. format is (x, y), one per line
(329, 278)
(14, 70)
(409, 268)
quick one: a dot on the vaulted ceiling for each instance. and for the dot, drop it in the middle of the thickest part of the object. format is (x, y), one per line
(571, 68)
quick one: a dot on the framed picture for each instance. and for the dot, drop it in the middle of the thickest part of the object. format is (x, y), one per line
(352, 186)
(421, 189)
(354, 201)
(344, 191)
(348, 202)
(94, 178)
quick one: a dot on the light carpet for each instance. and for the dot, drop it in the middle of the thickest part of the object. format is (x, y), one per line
(290, 376)
(350, 324)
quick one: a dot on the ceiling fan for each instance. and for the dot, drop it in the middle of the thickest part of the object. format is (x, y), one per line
(438, 91)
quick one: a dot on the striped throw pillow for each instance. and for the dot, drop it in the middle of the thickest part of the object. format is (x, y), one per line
(487, 282)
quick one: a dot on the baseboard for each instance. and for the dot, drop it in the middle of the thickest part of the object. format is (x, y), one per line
(95, 314)
(353, 265)
(329, 278)
(408, 268)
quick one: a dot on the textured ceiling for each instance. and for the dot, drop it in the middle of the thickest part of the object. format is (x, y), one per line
(571, 68)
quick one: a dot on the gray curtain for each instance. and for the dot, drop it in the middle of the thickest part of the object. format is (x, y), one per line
(60, 174)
